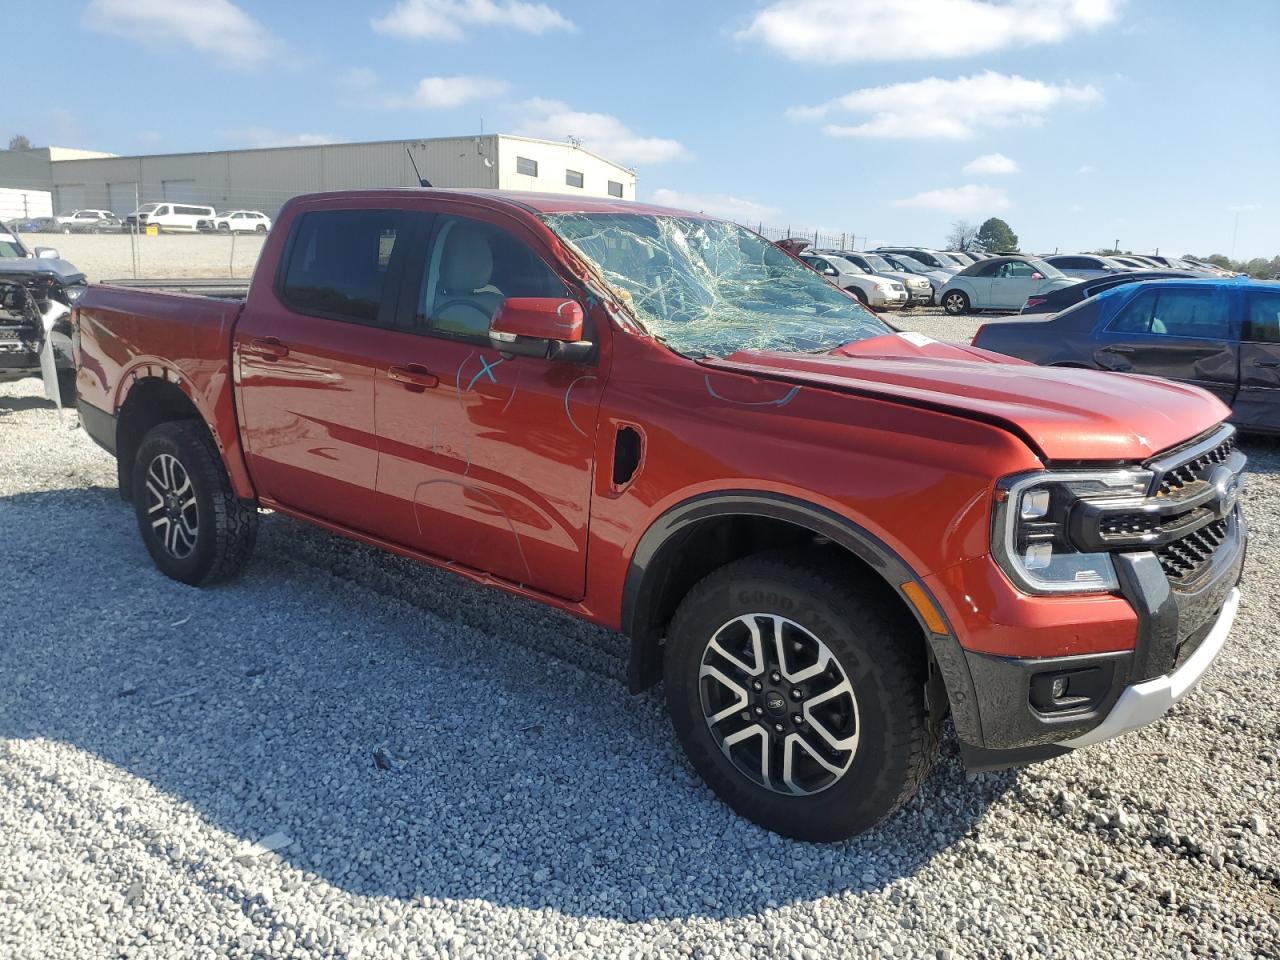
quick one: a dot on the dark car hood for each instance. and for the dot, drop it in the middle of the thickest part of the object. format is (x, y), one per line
(1064, 414)
(25, 268)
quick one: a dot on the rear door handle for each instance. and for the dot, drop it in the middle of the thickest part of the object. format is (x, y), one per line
(414, 376)
(1266, 363)
(269, 348)
(1119, 349)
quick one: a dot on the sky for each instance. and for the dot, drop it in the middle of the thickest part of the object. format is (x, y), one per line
(1155, 123)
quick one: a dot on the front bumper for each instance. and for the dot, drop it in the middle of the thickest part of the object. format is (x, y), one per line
(894, 298)
(1179, 633)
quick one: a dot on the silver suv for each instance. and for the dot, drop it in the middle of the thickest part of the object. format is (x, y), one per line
(871, 290)
(919, 289)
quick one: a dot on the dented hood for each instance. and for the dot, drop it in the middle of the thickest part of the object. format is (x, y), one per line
(1064, 414)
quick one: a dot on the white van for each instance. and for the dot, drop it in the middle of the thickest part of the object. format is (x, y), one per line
(170, 217)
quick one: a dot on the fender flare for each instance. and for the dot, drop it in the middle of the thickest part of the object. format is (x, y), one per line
(642, 582)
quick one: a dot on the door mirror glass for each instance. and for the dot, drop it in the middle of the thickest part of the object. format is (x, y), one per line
(47, 253)
(538, 327)
(831, 272)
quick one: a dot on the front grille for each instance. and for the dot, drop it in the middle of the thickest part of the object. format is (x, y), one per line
(1183, 475)
(1184, 560)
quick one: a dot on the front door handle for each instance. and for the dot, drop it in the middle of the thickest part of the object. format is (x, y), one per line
(1119, 349)
(269, 348)
(1266, 363)
(414, 376)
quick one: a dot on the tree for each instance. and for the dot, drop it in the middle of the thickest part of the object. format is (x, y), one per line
(995, 236)
(19, 142)
(961, 236)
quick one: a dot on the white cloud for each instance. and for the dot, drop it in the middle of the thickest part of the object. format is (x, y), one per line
(1085, 169)
(251, 137)
(448, 19)
(969, 199)
(1244, 207)
(717, 205)
(991, 164)
(846, 31)
(216, 27)
(443, 93)
(602, 133)
(947, 109)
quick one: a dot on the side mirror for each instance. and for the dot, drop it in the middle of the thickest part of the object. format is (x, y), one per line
(1037, 276)
(47, 253)
(548, 327)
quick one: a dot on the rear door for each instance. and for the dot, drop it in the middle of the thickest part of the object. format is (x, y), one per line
(1184, 333)
(1258, 402)
(304, 362)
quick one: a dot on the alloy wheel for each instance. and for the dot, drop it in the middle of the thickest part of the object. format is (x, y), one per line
(778, 704)
(171, 506)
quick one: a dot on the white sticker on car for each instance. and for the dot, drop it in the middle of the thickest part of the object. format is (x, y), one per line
(917, 339)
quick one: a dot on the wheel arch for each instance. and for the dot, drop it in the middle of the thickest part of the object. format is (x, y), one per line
(702, 533)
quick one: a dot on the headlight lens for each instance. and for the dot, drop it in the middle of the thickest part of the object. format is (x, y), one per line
(1030, 534)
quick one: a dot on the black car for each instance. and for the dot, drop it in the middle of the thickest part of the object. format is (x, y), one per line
(106, 223)
(33, 288)
(1053, 301)
(1221, 335)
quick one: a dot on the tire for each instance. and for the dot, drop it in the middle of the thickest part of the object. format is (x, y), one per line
(66, 228)
(875, 652)
(224, 228)
(260, 229)
(214, 533)
(955, 302)
(862, 297)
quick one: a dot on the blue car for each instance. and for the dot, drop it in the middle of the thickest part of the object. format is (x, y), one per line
(1221, 335)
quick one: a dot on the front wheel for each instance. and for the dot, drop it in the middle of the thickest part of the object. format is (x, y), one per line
(798, 697)
(955, 303)
(194, 527)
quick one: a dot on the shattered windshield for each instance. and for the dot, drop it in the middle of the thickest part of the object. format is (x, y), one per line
(711, 288)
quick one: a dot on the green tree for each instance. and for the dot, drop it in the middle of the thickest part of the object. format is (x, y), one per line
(19, 142)
(995, 236)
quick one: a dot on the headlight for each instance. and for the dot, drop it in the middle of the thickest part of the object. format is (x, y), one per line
(74, 292)
(1030, 533)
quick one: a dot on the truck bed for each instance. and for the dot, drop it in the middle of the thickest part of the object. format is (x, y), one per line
(221, 288)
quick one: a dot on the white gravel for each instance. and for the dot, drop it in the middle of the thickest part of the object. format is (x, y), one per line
(345, 754)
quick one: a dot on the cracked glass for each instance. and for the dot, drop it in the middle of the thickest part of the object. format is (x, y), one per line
(712, 288)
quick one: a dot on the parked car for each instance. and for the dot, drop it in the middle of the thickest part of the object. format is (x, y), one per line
(170, 217)
(1210, 268)
(961, 257)
(1220, 335)
(819, 531)
(1086, 266)
(919, 289)
(67, 222)
(1001, 283)
(933, 259)
(881, 294)
(238, 221)
(37, 291)
(1055, 301)
(35, 225)
(107, 223)
(937, 278)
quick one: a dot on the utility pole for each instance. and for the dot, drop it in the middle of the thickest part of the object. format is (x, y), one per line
(1235, 232)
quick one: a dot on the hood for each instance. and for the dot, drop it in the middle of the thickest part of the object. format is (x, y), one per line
(1063, 414)
(22, 268)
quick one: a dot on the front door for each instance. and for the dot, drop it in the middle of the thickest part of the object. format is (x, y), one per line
(1182, 333)
(483, 460)
(1013, 283)
(303, 364)
(1258, 403)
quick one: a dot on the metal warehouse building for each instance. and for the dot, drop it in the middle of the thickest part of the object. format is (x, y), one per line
(264, 179)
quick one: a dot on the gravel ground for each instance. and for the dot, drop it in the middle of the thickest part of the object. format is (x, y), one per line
(345, 754)
(108, 256)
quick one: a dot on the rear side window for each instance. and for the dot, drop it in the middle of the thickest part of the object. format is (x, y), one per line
(1189, 314)
(1262, 319)
(338, 261)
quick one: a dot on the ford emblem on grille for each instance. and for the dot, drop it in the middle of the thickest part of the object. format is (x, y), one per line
(1226, 486)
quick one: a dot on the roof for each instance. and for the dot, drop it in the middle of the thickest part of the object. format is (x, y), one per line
(527, 200)
(973, 268)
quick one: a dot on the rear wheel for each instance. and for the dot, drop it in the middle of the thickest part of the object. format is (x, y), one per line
(195, 528)
(798, 698)
(955, 302)
(260, 228)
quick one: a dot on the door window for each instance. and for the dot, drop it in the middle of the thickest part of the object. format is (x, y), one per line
(1016, 269)
(338, 261)
(1262, 321)
(1195, 314)
(472, 267)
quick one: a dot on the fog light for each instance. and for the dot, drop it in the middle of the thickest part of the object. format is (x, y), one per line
(1059, 688)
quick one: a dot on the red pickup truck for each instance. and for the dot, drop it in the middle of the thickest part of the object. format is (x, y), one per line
(823, 534)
